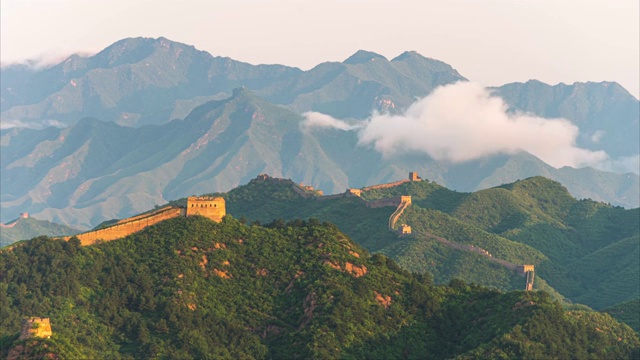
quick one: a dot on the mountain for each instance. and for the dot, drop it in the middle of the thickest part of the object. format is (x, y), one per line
(25, 228)
(190, 287)
(122, 153)
(133, 82)
(140, 81)
(364, 82)
(95, 171)
(607, 114)
(584, 251)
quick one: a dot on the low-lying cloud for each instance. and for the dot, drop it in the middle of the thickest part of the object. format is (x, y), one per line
(462, 122)
(623, 164)
(319, 120)
(10, 124)
(45, 60)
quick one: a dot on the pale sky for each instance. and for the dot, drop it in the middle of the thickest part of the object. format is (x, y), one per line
(492, 42)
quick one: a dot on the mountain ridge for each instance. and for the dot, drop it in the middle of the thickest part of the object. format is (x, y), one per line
(95, 171)
(159, 83)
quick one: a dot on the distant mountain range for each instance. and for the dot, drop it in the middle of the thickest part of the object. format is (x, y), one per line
(121, 153)
(606, 114)
(24, 228)
(143, 81)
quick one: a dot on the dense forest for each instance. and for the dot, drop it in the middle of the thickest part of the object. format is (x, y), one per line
(192, 288)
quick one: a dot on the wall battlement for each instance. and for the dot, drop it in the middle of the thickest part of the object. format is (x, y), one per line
(211, 207)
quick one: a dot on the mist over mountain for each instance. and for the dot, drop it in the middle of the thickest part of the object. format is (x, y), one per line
(121, 153)
(606, 113)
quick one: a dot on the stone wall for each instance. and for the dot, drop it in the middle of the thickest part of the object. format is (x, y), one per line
(405, 201)
(385, 186)
(301, 191)
(127, 226)
(142, 216)
(394, 201)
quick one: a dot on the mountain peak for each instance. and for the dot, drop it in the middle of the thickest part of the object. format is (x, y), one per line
(242, 93)
(363, 56)
(125, 51)
(132, 50)
(411, 54)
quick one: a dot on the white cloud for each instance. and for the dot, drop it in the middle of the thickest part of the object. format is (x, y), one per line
(462, 122)
(624, 164)
(10, 124)
(319, 120)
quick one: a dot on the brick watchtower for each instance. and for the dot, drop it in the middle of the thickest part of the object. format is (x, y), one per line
(413, 176)
(207, 206)
(35, 327)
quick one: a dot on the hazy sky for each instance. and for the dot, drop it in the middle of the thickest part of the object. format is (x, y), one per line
(490, 41)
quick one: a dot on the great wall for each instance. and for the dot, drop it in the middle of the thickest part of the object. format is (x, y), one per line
(401, 203)
(214, 208)
(210, 207)
(15, 222)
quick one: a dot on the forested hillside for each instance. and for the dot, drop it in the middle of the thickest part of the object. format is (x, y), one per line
(193, 288)
(587, 251)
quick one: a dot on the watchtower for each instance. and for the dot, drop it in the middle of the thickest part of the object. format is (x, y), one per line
(211, 207)
(529, 272)
(413, 176)
(524, 269)
(404, 229)
(354, 192)
(35, 327)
